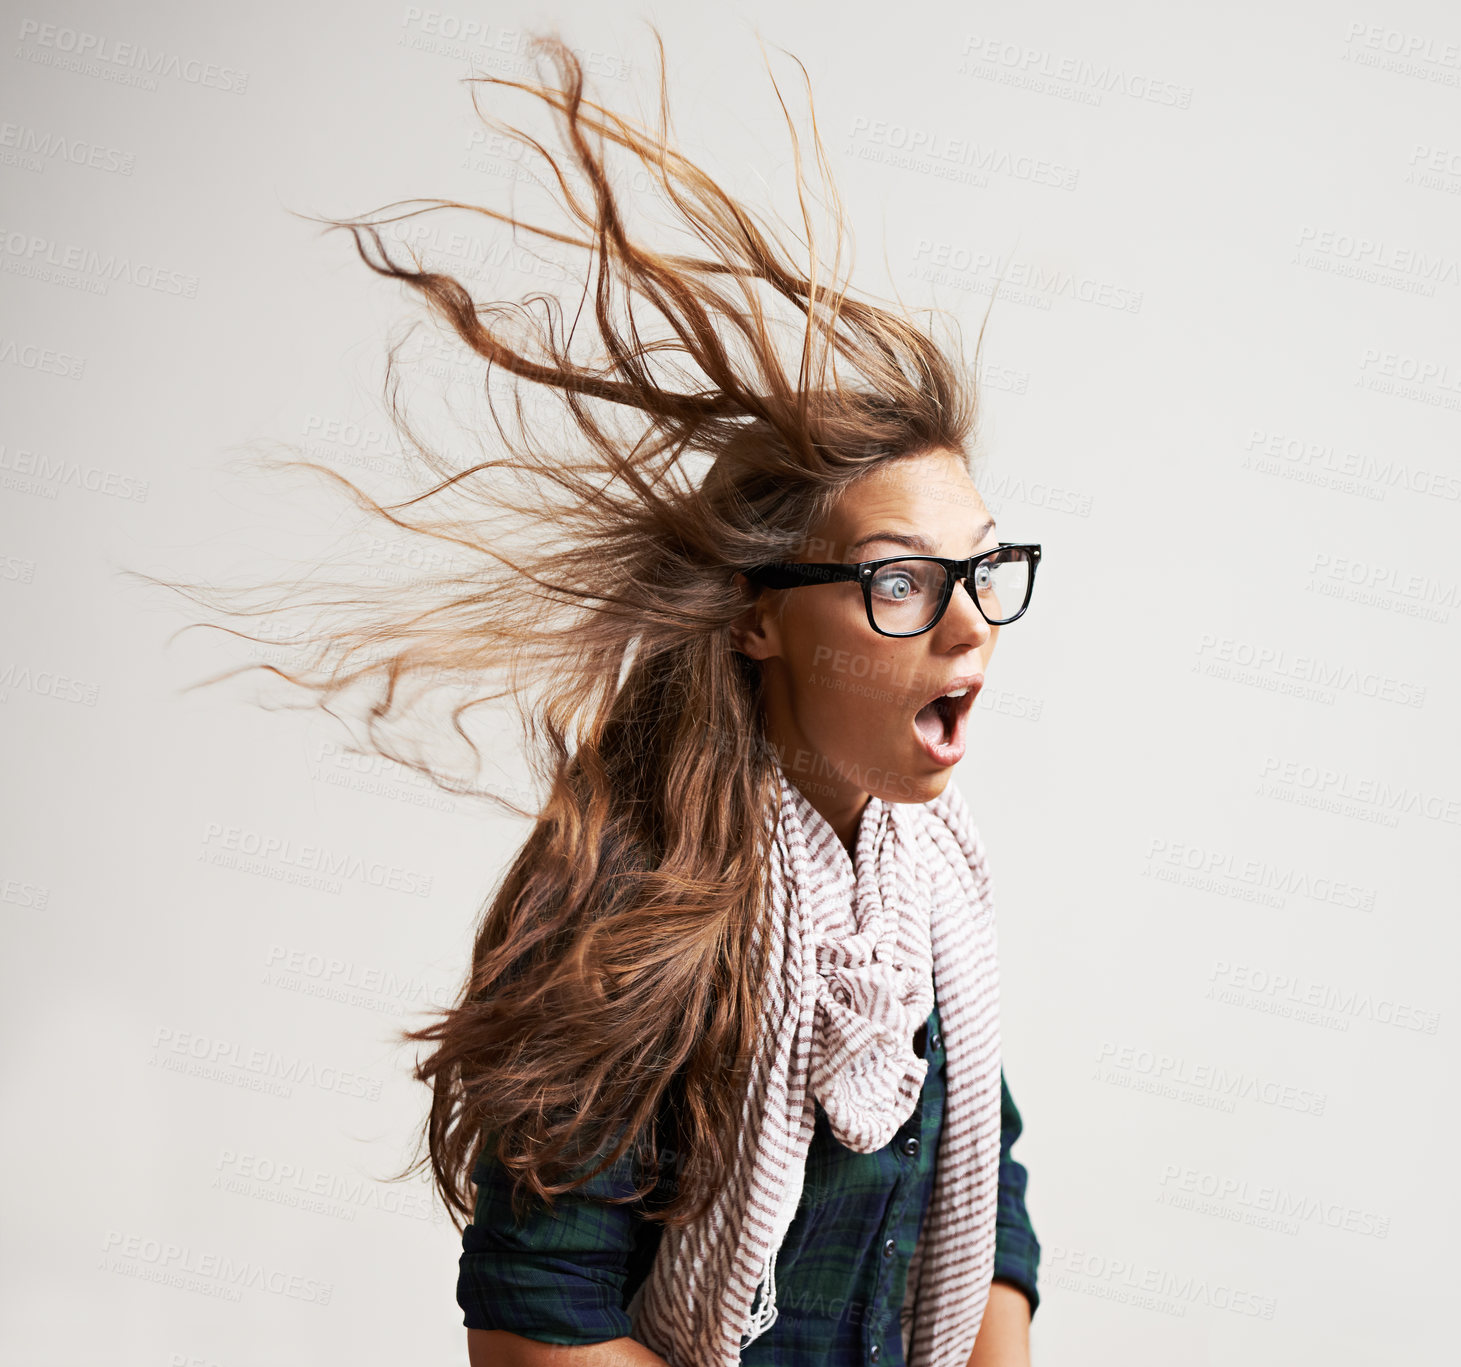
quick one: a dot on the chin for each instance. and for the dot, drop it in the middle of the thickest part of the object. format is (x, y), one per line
(916, 788)
(935, 784)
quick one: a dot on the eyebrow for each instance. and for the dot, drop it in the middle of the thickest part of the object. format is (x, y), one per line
(914, 541)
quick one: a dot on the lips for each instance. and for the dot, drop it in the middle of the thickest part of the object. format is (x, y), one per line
(972, 682)
(942, 721)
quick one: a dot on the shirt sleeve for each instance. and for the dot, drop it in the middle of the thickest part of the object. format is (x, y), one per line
(554, 1277)
(1016, 1249)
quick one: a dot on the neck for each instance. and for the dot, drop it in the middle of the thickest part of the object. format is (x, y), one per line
(842, 811)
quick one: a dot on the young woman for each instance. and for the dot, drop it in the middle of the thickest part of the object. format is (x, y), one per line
(723, 1083)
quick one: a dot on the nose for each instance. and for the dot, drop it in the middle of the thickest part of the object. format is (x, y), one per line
(963, 615)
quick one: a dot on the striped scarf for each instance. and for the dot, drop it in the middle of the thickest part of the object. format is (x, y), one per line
(857, 953)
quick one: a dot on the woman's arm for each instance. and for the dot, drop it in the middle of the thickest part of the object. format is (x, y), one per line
(1016, 1249)
(498, 1348)
(550, 1287)
(1004, 1332)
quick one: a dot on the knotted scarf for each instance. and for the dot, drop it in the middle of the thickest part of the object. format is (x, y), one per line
(858, 952)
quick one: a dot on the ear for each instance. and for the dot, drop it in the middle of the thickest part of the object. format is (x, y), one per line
(756, 631)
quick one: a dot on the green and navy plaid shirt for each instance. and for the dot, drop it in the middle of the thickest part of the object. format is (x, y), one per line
(840, 1274)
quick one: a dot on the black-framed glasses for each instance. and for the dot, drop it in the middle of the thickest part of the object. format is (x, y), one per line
(906, 595)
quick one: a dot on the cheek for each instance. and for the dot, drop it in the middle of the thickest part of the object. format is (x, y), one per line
(830, 629)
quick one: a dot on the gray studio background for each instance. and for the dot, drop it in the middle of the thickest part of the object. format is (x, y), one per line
(1214, 768)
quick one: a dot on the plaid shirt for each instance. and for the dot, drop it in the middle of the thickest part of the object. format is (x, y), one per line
(840, 1274)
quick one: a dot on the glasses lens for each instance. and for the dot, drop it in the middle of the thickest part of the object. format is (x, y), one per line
(1002, 584)
(906, 594)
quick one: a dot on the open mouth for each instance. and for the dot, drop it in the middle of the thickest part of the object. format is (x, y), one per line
(939, 722)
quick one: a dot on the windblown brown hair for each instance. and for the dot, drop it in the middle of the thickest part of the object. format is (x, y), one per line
(722, 401)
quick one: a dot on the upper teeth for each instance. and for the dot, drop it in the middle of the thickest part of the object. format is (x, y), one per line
(957, 693)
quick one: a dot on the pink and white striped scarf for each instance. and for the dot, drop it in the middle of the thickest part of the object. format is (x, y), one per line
(857, 955)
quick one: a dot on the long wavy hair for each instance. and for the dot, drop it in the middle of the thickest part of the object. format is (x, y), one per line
(705, 407)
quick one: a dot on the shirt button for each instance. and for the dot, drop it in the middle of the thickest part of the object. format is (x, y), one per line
(936, 1040)
(910, 1147)
(890, 1248)
(874, 1353)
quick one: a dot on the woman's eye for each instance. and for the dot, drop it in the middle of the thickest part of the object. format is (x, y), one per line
(898, 585)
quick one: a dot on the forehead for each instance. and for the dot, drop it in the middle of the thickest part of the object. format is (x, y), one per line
(930, 493)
